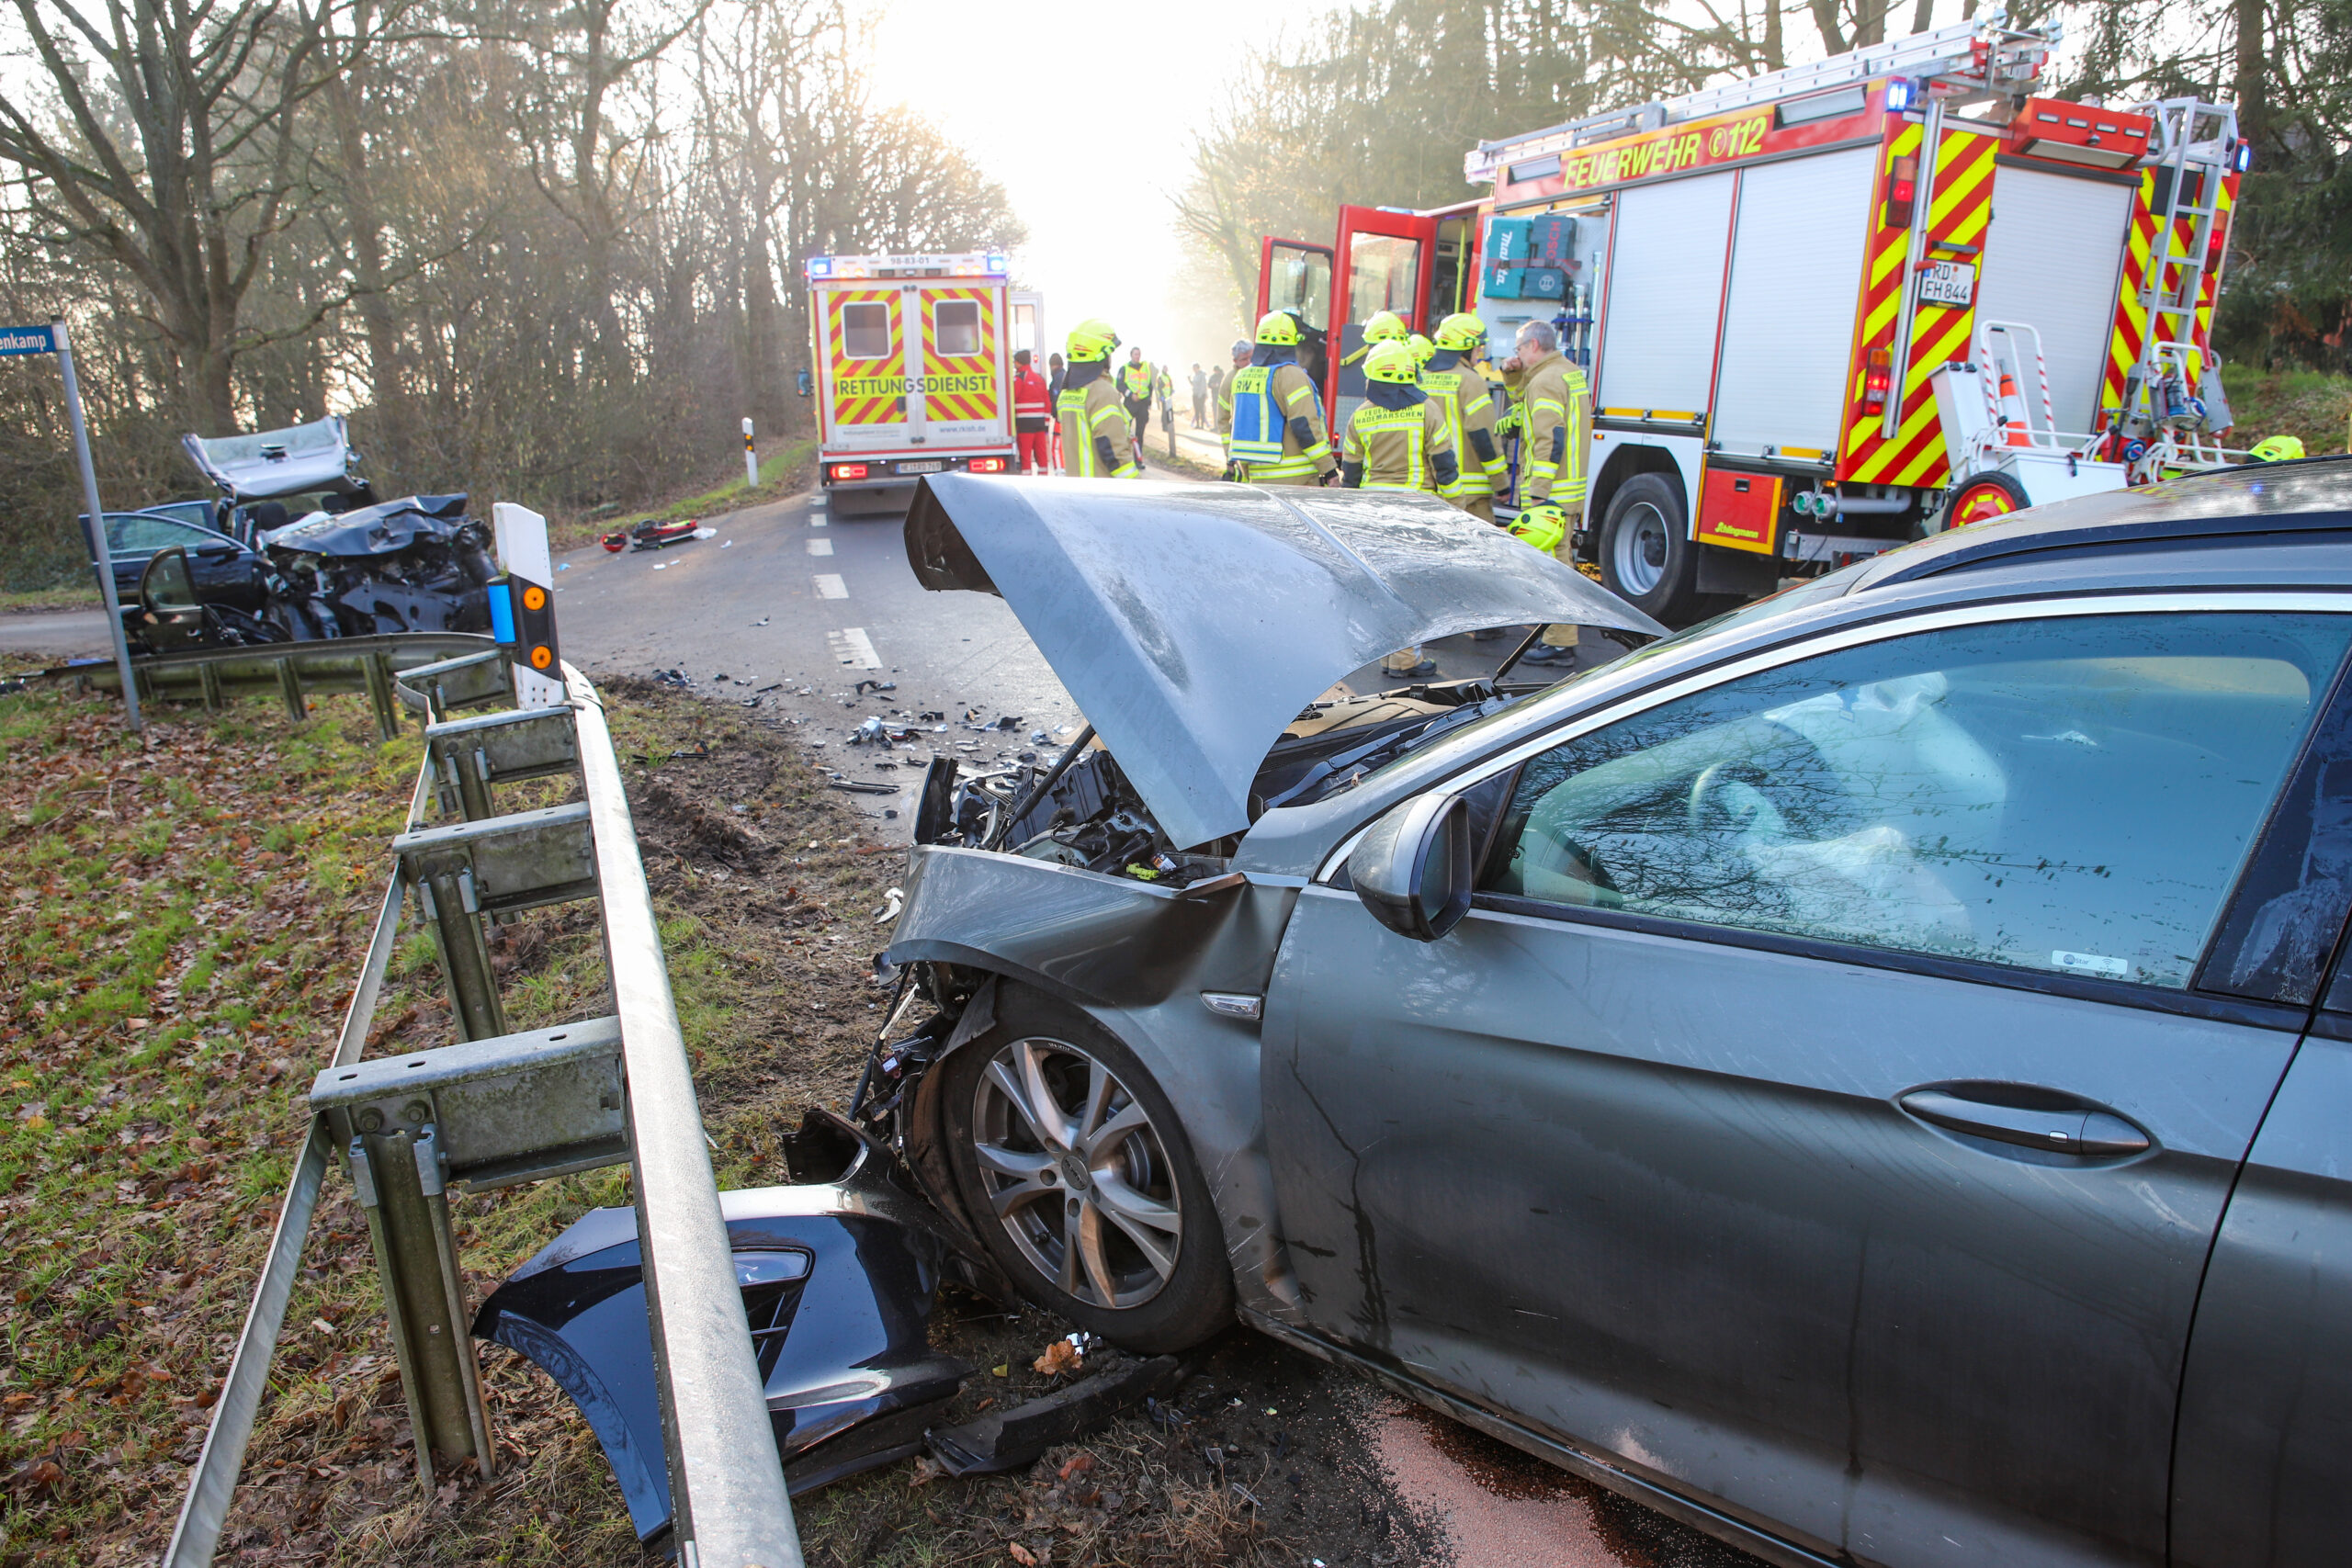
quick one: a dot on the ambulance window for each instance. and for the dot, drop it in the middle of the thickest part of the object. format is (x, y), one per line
(865, 332)
(956, 326)
(1381, 273)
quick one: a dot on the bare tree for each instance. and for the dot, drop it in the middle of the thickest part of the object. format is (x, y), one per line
(179, 167)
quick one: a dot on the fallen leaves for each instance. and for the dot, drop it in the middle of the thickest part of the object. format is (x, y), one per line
(1061, 1357)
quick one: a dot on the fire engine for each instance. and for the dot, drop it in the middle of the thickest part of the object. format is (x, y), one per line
(914, 357)
(1831, 309)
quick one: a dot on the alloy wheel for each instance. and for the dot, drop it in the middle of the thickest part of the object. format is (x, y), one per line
(1076, 1173)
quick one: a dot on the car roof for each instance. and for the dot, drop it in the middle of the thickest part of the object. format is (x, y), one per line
(2257, 503)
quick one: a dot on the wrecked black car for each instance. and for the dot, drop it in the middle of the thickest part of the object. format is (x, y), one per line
(347, 564)
(419, 564)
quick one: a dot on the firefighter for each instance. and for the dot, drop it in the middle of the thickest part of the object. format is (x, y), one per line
(1452, 381)
(1241, 362)
(1033, 413)
(1135, 380)
(1555, 409)
(1385, 326)
(1278, 436)
(1097, 440)
(1397, 439)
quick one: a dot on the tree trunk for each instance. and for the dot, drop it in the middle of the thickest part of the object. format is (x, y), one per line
(385, 387)
(2251, 81)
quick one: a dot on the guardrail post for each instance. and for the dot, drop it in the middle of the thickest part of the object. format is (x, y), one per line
(450, 902)
(378, 668)
(208, 677)
(409, 1227)
(289, 687)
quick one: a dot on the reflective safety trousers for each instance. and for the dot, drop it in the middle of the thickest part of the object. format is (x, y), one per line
(1395, 445)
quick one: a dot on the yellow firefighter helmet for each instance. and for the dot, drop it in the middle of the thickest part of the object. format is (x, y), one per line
(1392, 363)
(1091, 339)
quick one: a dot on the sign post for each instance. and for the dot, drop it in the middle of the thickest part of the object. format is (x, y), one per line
(51, 339)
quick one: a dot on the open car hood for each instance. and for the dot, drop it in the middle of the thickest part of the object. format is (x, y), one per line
(1191, 622)
(297, 460)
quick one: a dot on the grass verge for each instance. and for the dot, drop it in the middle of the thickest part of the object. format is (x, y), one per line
(2311, 405)
(68, 596)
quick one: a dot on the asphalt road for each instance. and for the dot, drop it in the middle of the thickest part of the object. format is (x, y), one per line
(796, 607)
(56, 634)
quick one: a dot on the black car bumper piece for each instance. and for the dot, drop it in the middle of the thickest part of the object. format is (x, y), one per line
(838, 1279)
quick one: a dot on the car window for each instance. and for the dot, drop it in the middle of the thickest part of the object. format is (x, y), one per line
(2071, 794)
(135, 533)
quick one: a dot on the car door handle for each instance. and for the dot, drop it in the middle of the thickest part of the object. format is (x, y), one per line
(2063, 1129)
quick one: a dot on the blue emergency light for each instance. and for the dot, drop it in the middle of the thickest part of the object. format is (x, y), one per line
(1898, 96)
(820, 266)
(998, 264)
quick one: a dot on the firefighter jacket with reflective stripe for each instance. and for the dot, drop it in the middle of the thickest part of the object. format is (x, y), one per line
(1559, 411)
(1398, 449)
(1277, 427)
(1097, 440)
(1469, 405)
(1032, 409)
(1137, 381)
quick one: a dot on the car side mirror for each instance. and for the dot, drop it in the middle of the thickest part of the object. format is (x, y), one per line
(1413, 867)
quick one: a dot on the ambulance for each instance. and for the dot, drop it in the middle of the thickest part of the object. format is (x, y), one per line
(1832, 309)
(913, 371)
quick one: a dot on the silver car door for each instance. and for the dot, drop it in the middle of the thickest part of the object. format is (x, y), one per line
(1816, 1114)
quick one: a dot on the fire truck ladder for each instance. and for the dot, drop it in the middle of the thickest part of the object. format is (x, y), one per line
(2195, 143)
(1984, 54)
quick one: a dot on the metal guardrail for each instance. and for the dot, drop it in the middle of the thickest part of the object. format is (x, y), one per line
(500, 1107)
(293, 669)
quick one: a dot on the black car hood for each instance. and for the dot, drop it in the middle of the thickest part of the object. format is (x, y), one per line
(381, 530)
(1191, 622)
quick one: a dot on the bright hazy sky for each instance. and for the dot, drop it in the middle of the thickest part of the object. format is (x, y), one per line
(1091, 187)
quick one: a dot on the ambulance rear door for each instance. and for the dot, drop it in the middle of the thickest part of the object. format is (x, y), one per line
(962, 366)
(1028, 327)
(870, 331)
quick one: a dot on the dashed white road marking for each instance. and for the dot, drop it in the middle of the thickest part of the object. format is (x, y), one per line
(831, 586)
(853, 648)
(821, 547)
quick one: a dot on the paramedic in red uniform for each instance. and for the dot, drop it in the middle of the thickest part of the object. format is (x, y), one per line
(1033, 414)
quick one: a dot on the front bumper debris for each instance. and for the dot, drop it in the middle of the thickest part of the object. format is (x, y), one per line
(837, 1279)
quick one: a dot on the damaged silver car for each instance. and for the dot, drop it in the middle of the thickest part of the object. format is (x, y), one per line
(1864, 1076)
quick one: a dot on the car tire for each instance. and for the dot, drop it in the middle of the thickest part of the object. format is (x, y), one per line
(1035, 1183)
(1647, 557)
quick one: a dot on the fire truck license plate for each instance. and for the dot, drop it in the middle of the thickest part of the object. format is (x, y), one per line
(930, 468)
(1948, 283)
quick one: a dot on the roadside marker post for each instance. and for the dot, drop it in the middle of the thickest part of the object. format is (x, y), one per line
(751, 458)
(525, 620)
(52, 339)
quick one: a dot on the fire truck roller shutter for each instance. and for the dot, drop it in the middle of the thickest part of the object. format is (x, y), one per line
(2054, 259)
(1658, 348)
(1796, 280)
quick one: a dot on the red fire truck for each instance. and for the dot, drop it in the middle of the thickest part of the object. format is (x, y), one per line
(1830, 308)
(914, 357)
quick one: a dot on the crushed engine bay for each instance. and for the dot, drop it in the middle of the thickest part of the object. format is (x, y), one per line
(1080, 810)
